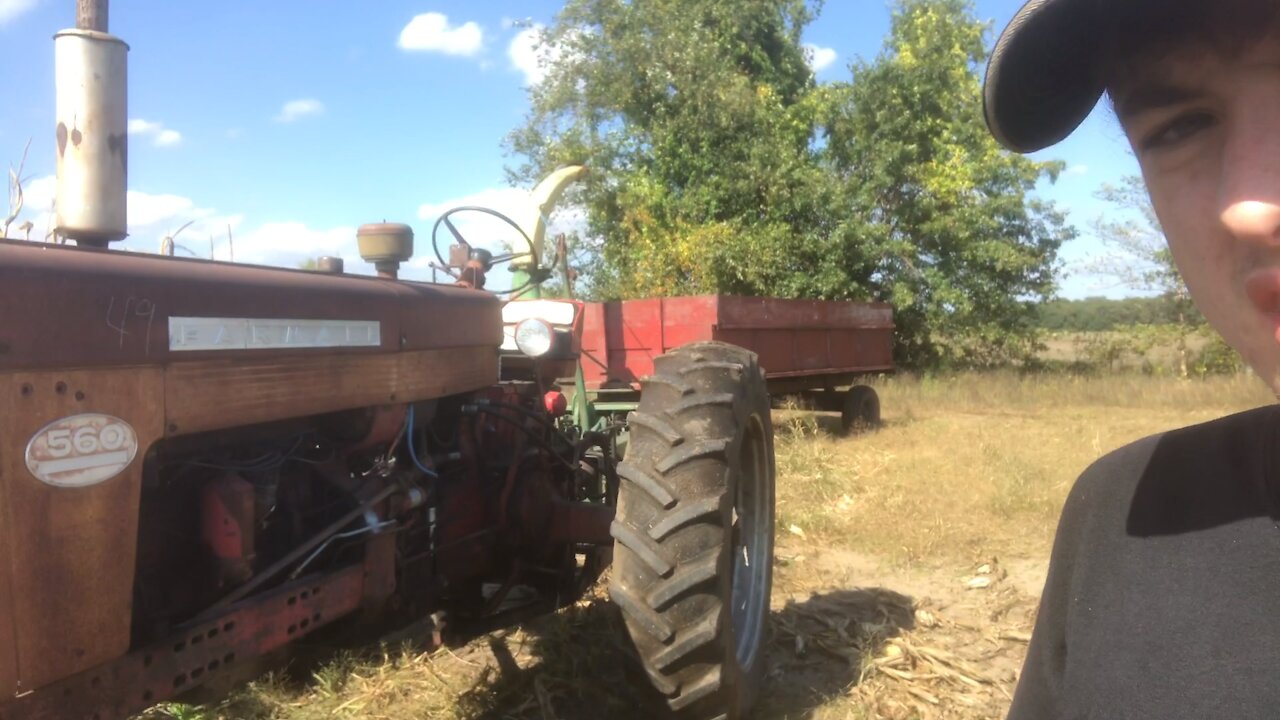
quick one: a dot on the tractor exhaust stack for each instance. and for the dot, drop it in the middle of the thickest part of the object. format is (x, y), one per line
(90, 69)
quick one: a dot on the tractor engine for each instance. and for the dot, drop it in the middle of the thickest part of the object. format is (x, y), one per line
(489, 497)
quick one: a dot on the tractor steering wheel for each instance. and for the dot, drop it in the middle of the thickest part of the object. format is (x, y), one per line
(472, 253)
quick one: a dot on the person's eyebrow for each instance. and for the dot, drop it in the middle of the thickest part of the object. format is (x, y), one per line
(1152, 96)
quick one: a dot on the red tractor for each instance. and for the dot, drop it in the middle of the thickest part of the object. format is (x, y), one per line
(201, 462)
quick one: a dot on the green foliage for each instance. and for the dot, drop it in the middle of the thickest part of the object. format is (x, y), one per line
(963, 249)
(1130, 345)
(695, 119)
(719, 165)
(1216, 357)
(1140, 257)
(1098, 313)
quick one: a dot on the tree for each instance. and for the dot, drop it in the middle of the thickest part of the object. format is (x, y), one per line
(962, 248)
(1138, 255)
(719, 165)
(696, 120)
(1139, 258)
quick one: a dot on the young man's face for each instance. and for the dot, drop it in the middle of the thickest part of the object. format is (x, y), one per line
(1206, 131)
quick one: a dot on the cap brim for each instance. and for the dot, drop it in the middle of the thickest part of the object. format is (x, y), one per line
(1042, 81)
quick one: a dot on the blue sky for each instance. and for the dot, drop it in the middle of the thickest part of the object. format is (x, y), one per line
(294, 122)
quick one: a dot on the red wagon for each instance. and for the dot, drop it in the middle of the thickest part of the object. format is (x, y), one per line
(811, 348)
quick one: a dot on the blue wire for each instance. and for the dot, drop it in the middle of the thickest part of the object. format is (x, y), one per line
(414, 453)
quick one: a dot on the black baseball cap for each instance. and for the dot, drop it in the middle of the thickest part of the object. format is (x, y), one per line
(1043, 78)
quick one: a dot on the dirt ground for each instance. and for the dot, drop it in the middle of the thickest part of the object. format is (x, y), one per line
(851, 636)
(855, 637)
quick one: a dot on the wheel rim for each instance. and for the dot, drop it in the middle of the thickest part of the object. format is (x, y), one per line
(751, 543)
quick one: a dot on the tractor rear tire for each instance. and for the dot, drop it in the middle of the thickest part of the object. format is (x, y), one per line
(861, 409)
(693, 534)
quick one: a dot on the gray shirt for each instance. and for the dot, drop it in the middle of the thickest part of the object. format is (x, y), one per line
(1163, 594)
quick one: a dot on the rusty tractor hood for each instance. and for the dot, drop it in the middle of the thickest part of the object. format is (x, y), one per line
(66, 307)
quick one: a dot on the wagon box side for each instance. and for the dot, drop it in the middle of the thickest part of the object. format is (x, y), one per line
(817, 339)
(809, 337)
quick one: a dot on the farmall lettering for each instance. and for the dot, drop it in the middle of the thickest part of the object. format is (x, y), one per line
(213, 333)
(81, 450)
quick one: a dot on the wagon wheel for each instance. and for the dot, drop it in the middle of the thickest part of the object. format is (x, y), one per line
(861, 408)
(693, 551)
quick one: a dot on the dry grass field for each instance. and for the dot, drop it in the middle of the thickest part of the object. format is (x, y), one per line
(909, 563)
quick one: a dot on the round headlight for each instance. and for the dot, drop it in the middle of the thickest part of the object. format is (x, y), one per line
(534, 337)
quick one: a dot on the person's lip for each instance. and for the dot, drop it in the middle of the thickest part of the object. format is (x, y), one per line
(1262, 287)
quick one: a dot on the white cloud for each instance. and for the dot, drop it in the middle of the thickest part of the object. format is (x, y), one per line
(819, 57)
(167, 138)
(531, 55)
(431, 32)
(37, 193)
(523, 52)
(506, 200)
(37, 208)
(153, 216)
(1077, 170)
(203, 232)
(479, 229)
(138, 126)
(159, 134)
(297, 109)
(288, 244)
(11, 9)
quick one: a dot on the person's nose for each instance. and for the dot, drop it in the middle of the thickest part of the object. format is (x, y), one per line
(1255, 221)
(1250, 190)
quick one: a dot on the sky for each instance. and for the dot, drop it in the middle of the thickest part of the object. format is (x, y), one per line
(292, 123)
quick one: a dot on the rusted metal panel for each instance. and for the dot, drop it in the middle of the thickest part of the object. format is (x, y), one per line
(794, 338)
(379, 572)
(595, 360)
(215, 394)
(627, 350)
(636, 326)
(863, 347)
(685, 320)
(782, 314)
(8, 543)
(441, 316)
(577, 522)
(71, 550)
(113, 308)
(195, 653)
(775, 356)
(847, 374)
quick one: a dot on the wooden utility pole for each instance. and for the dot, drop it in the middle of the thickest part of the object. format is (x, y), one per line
(91, 15)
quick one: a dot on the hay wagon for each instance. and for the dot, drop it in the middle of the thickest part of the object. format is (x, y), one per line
(819, 350)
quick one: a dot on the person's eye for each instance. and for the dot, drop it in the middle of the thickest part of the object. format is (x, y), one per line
(1178, 129)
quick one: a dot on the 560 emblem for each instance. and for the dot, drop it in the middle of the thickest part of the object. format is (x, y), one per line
(81, 450)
